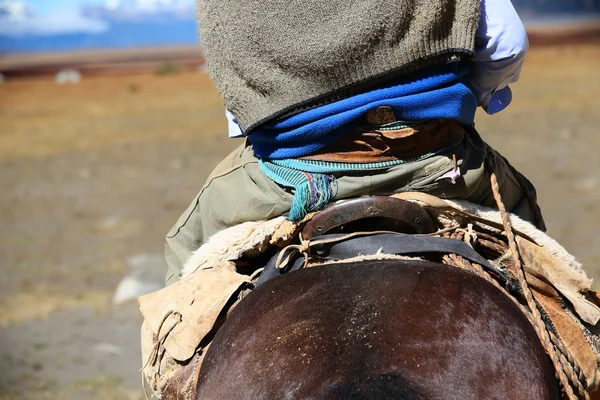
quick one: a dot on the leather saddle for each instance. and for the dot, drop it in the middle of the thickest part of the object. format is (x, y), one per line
(370, 213)
(366, 226)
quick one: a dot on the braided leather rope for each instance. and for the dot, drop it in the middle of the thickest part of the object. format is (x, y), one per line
(566, 368)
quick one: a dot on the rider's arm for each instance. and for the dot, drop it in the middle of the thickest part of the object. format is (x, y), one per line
(500, 47)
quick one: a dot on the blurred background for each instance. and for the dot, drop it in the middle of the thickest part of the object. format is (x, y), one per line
(109, 126)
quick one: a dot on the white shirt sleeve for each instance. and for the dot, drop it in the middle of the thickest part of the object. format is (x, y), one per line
(234, 129)
(500, 47)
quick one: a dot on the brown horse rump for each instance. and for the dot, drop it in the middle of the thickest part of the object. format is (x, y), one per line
(181, 319)
(372, 330)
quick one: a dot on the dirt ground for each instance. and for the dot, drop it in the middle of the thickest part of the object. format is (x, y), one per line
(93, 175)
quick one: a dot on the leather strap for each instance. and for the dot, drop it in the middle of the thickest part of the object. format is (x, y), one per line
(340, 247)
(395, 243)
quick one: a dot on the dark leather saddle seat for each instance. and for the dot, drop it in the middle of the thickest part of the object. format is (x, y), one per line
(370, 213)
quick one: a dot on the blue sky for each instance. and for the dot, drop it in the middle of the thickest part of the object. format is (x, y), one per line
(55, 17)
(46, 6)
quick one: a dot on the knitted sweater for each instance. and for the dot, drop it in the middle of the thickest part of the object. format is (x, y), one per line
(279, 57)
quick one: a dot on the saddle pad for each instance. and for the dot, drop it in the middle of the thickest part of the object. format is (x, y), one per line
(198, 299)
(568, 331)
(569, 283)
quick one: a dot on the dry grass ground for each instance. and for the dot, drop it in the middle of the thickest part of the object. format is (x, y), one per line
(97, 172)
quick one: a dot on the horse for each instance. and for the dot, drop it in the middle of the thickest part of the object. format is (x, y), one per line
(378, 329)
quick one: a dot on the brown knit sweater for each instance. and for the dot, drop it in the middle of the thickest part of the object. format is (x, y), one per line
(273, 57)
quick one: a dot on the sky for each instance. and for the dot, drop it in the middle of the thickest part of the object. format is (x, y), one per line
(40, 17)
(47, 6)
(55, 17)
(53, 25)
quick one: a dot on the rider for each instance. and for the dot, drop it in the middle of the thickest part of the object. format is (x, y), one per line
(340, 99)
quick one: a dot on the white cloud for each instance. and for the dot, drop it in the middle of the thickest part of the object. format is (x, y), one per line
(148, 5)
(112, 4)
(13, 10)
(54, 23)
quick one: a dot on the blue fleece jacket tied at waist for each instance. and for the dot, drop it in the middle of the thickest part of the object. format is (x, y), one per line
(441, 92)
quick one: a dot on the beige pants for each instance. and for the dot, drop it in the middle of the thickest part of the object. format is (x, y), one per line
(238, 191)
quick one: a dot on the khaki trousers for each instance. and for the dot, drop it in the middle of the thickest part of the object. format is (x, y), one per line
(238, 191)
